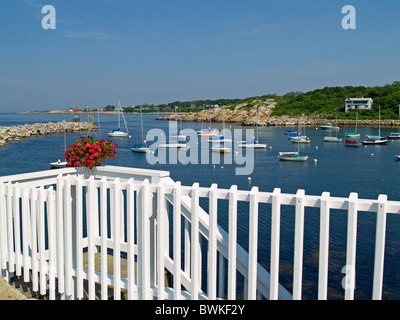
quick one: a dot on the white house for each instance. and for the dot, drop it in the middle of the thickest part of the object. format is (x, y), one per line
(355, 104)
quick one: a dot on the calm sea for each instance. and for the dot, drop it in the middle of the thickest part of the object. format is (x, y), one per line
(369, 171)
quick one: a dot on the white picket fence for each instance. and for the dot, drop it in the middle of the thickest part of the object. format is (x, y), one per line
(50, 220)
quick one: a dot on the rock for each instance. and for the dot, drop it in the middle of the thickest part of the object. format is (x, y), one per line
(20, 132)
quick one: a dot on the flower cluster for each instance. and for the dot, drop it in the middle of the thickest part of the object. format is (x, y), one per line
(86, 151)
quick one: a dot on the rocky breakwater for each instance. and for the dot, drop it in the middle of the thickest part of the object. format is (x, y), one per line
(20, 132)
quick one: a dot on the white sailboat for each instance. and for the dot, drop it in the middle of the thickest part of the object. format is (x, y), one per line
(221, 147)
(299, 138)
(293, 155)
(179, 136)
(254, 143)
(331, 138)
(376, 139)
(59, 163)
(117, 132)
(140, 147)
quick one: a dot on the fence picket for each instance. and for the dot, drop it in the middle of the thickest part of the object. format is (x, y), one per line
(104, 237)
(253, 234)
(275, 238)
(298, 246)
(212, 244)
(351, 247)
(232, 246)
(379, 248)
(177, 240)
(323, 247)
(130, 220)
(195, 261)
(79, 236)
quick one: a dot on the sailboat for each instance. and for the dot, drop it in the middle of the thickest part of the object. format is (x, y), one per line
(294, 155)
(254, 143)
(118, 132)
(140, 147)
(376, 139)
(208, 132)
(331, 138)
(59, 163)
(179, 136)
(221, 147)
(299, 138)
(353, 134)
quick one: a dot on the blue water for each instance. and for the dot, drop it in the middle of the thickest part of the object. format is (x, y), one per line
(369, 171)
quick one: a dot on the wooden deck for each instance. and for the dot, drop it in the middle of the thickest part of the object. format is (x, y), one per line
(25, 287)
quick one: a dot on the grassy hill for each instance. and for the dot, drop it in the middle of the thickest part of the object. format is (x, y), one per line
(324, 103)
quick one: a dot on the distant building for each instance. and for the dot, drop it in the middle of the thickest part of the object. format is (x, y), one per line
(355, 104)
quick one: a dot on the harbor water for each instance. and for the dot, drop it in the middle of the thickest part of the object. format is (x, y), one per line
(331, 167)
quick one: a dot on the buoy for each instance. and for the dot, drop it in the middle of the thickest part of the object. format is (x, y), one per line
(315, 160)
(222, 167)
(372, 154)
(316, 147)
(249, 178)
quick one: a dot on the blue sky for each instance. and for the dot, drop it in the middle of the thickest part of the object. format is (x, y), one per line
(160, 51)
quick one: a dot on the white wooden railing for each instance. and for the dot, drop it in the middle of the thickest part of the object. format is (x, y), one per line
(50, 220)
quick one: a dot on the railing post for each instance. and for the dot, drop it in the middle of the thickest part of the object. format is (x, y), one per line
(177, 240)
(78, 226)
(351, 247)
(59, 232)
(323, 247)
(212, 244)
(3, 229)
(51, 222)
(92, 231)
(253, 235)
(232, 245)
(160, 240)
(298, 246)
(195, 261)
(130, 221)
(117, 239)
(275, 239)
(104, 237)
(143, 230)
(379, 248)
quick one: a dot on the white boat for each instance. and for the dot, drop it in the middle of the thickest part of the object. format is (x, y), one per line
(376, 139)
(394, 135)
(332, 139)
(58, 164)
(208, 132)
(179, 136)
(292, 156)
(173, 145)
(330, 127)
(219, 139)
(221, 149)
(117, 132)
(253, 144)
(140, 147)
(300, 140)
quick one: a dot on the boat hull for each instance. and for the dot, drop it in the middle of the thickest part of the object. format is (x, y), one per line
(118, 134)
